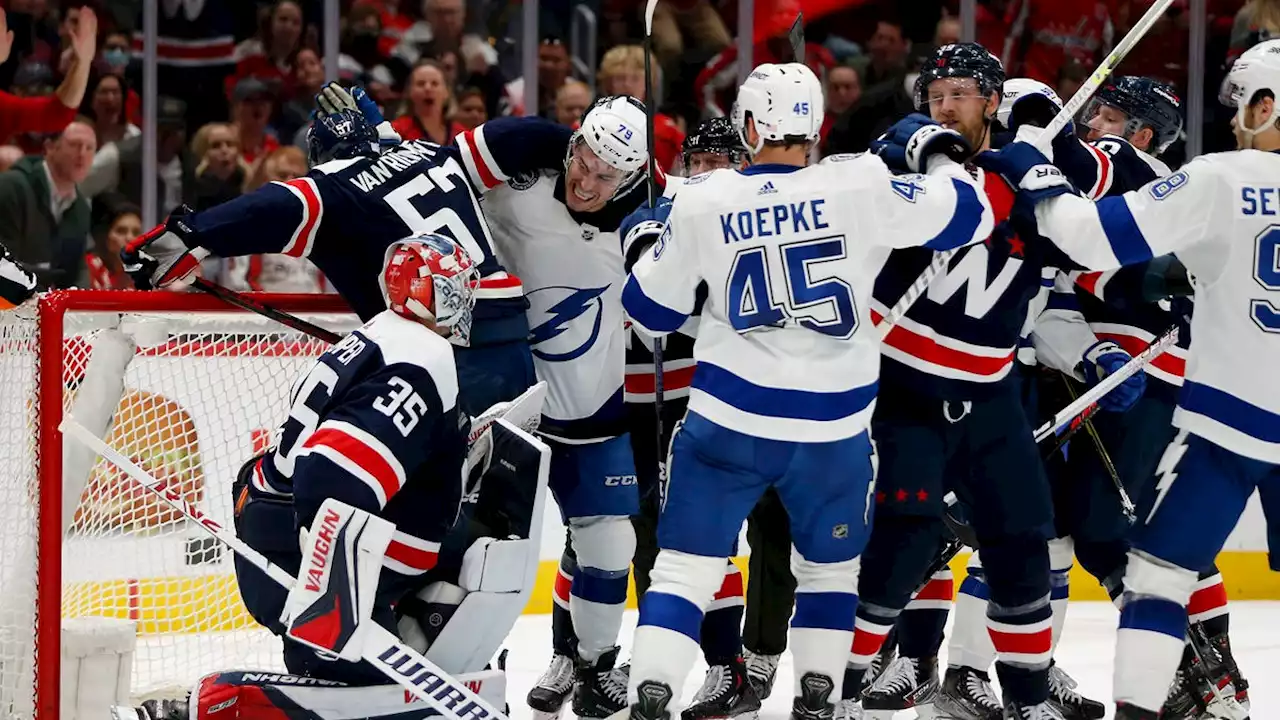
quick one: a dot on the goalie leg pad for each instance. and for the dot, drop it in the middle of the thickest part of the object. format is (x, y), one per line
(337, 585)
(236, 695)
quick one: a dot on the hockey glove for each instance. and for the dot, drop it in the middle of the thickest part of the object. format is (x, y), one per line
(1103, 358)
(1027, 102)
(161, 256)
(17, 284)
(908, 143)
(334, 98)
(641, 229)
(1027, 170)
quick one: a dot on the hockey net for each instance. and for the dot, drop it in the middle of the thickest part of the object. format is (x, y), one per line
(189, 388)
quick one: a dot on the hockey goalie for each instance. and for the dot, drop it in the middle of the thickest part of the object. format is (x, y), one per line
(367, 498)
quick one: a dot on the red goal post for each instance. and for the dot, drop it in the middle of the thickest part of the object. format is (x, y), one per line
(185, 384)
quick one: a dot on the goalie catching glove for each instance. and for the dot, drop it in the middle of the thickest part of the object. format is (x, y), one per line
(333, 597)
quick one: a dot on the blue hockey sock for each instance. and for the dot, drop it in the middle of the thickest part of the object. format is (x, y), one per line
(722, 624)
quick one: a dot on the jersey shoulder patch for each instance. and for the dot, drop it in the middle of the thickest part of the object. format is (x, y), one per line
(403, 341)
(524, 180)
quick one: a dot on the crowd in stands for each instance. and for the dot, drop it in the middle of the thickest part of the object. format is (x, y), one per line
(237, 80)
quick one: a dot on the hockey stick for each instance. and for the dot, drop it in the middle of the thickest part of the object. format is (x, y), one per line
(1126, 504)
(402, 664)
(650, 109)
(1043, 141)
(241, 300)
(1109, 383)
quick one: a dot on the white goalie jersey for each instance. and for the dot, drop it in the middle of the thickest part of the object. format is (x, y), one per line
(1221, 215)
(786, 348)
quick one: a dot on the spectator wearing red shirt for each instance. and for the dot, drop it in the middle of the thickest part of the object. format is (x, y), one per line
(429, 106)
(622, 73)
(718, 82)
(252, 102)
(122, 222)
(52, 113)
(270, 56)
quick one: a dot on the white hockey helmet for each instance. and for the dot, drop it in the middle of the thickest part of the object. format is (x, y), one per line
(614, 129)
(785, 102)
(1017, 88)
(1257, 70)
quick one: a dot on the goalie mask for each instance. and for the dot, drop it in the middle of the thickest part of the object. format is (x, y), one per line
(430, 277)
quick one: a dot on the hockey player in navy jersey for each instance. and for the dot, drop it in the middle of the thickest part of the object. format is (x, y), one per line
(1218, 214)
(558, 230)
(787, 366)
(345, 212)
(374, 425)
(953, 419)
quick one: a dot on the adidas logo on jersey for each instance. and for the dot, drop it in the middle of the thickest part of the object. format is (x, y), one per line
(767, 189)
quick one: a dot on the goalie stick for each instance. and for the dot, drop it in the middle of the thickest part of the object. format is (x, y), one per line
(402, 664)
(1043, 141)
(1109, 383)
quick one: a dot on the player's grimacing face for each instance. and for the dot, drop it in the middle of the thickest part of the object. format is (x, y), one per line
(589, 182)
(958, 104)
(701, 162)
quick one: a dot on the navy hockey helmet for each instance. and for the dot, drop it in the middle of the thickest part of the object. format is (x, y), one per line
(1147, 103)
(960, 60)
(715, 135)
(341, 135)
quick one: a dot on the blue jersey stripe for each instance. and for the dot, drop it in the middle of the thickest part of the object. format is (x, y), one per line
(1231, 411)
(964, 221)
(1062, 301)
(1127, 241)
(781, 403)
(649, 313)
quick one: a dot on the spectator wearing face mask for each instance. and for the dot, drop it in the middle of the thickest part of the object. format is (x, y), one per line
(51, 113)
(44, 219)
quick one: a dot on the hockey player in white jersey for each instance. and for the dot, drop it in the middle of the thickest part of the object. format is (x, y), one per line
(1219, 213)
(787, 367)
(559, 231)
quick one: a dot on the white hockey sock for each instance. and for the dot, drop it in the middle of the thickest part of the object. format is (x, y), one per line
(822, 626)
(598, 597)
(1152, 631)
(970, 644)
(1061, 553)
(666, 641)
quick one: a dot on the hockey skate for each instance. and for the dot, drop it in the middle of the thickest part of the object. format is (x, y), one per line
(881, 662)
(726, 693)
(814, 702)
(905, 683)
(548, 695)
(966, 694)
(1069, 702)
(761, 671)
(153, 710)
(652, 698)
(1227, 667)
(599, 689)
(1014, 710)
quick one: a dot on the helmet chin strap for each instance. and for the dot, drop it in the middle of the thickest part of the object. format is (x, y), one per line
(1248, 134)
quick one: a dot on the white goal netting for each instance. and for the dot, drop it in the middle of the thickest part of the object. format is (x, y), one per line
(189, 389)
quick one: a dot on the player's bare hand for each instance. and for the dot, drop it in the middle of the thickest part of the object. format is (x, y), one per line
(84, 33)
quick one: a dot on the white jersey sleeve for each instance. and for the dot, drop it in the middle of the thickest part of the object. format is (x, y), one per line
(1061, 334)
(1221, 215)
(942, 210)
(661, 292)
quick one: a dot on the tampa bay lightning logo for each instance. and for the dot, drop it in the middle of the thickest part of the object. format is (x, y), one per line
(569, 321)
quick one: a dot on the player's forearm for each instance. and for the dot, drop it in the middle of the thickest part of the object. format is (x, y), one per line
(1080, 228)
(71, 91)
(248, 226)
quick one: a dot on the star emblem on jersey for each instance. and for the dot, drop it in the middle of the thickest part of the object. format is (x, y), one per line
(901, 495)
(1017, 246)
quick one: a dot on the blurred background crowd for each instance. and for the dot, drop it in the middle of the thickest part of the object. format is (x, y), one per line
(235, 82)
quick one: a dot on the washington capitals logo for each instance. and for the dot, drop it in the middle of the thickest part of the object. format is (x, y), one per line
(571, 321)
